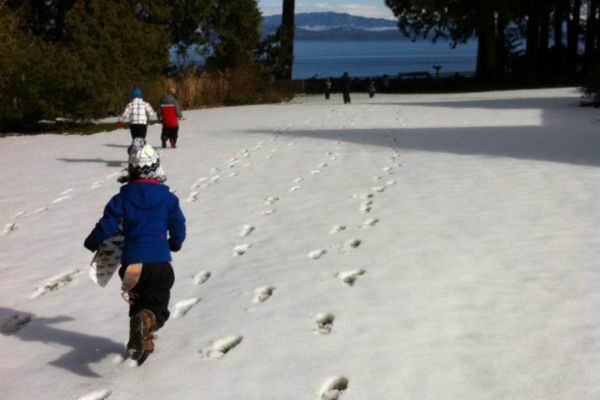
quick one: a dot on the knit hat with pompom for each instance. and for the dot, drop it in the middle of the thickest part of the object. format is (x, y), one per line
(144, 162)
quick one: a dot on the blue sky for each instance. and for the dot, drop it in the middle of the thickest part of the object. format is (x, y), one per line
(364, 8)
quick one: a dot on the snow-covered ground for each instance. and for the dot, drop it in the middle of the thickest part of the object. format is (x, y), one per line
(402, 247)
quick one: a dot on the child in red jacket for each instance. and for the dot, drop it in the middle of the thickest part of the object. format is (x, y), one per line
(169, 112)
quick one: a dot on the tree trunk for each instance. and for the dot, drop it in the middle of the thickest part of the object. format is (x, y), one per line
(544, 33)
(287, 37)
(573, 36)
(487, 61)
(501, 43)
(533, 40)
(591, 34)
(558, 19)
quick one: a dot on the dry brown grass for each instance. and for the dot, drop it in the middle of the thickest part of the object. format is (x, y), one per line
(215, 88)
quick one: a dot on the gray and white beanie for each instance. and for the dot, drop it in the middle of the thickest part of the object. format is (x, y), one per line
(144, 162)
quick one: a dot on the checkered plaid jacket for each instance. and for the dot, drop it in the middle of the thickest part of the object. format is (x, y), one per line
(138, 112)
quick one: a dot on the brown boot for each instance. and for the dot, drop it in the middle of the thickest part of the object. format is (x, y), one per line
(141, 326)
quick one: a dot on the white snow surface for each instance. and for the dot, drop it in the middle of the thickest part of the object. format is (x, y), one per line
(481, 272)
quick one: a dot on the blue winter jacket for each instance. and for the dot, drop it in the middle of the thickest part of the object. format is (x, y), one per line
(148, 211)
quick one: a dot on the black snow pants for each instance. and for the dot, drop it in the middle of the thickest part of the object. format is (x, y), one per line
(170, 134)
(138, 130)
(153, 290)
(346, 97)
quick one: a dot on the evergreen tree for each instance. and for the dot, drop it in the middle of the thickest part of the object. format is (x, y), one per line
(232, 32)
(457, 21)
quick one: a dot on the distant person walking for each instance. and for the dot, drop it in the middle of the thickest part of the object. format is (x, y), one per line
(346, 86)
(385, 82)
(327, 88)
(372, 89)
(169, 112)
(138, 112)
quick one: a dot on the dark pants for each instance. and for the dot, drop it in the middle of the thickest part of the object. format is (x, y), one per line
(170, 134)
(327, 93)
(138, 130)
(346, 97)
(371, 94)
(153, 290)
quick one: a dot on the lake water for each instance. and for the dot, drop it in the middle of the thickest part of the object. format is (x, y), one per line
(373, 58)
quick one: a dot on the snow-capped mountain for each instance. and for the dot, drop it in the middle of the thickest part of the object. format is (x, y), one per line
(336, 26)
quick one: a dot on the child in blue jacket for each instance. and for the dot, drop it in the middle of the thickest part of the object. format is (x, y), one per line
(147, 210)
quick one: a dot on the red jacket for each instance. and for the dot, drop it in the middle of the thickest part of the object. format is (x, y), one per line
(168, 115)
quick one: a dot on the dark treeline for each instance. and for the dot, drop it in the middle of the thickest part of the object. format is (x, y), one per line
(78, 59)
(552, 30)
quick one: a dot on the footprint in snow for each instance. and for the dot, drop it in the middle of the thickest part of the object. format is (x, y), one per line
(233, 174)
(316, 254)
(39, 210)
(262, 293)
(215, 178)
(363, 196)
(246, 230)
(379, 189)
(101, 394)
(322, 165)
(315, 171)
(376, 178)
(349, 277)
(9, 228)
(56, 283)
(113, 175)
(365, 208)
(201, 277)
(390, 183)
(324, 323)
(181, 308)
(66, 191)
(353, 243)
(97, 184)
(337, 228)
(215, 170)
(60, 199)
(333, 388)
(297, 180)
(14, 322)
(193, 196)
(241, 249)
(267, 212)
(295, 188)
(19, 214)
(371, 222)
(271, 200)
(221, 347)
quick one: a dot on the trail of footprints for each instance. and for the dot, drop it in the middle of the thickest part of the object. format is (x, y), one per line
(334, 387)
(64, 195)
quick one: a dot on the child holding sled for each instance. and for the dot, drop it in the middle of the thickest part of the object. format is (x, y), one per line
(147, 210)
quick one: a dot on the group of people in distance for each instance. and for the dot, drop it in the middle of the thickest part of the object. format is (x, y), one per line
(138, 112)
(152, 222)
(346, 84)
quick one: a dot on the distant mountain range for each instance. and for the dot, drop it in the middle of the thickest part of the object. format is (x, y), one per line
(336, 26)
